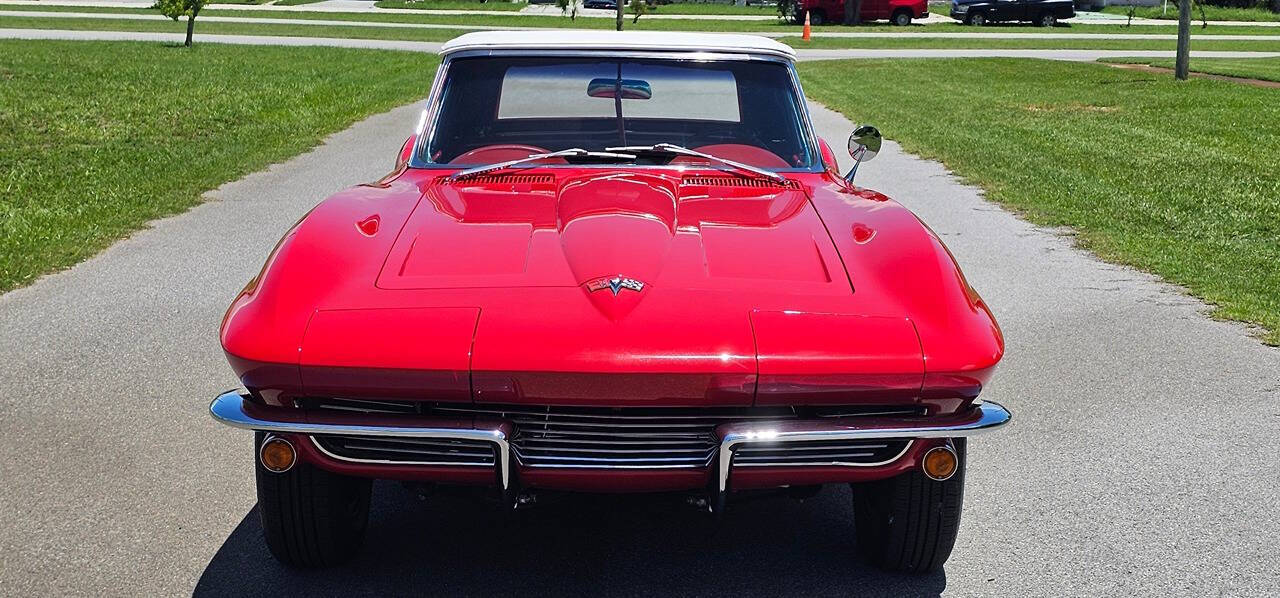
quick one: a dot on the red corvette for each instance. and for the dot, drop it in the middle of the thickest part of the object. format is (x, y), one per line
(612, 262)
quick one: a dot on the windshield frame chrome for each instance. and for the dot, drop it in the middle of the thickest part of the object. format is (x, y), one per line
(428, 119)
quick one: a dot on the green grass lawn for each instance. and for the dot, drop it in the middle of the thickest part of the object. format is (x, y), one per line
(1266, 69)
(713, 8)
(1211, 13)
(97, 138)
(216, 28)
(906, 41)
(690, 24)
(450, 4)
(1178, 178)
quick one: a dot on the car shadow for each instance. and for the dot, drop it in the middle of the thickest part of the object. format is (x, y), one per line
(449, 543)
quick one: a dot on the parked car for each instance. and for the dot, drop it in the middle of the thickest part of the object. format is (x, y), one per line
(1045, 13)
(619, 262)
(609, 4)
(898, 12)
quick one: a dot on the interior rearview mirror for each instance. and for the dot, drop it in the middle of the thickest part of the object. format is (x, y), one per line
(631, 89)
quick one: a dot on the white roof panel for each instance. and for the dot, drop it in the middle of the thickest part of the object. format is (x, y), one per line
(661, 41)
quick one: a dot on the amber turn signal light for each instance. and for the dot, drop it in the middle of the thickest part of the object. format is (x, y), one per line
(940, 463)
(277, 454)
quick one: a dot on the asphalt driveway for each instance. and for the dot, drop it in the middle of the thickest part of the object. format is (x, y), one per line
(1139, 460)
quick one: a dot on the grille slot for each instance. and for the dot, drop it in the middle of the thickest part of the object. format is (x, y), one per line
(820, 452)
(435, 451)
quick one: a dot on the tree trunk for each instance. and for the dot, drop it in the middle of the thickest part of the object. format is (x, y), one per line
(852, 12)
(619, 3)
(1180, 65)
(191, 26)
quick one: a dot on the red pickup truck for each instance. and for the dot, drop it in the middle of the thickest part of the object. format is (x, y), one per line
(898, 12)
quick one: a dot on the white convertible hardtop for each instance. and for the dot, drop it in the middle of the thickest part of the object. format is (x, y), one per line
(657, 41)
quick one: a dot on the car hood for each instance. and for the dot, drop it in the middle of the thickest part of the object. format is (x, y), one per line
(616, 237)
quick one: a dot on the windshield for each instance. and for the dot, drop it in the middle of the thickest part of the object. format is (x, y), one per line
(494, 109)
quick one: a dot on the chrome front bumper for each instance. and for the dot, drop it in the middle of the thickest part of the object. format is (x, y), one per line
(237, 410)
(234, 409)
(985, 417)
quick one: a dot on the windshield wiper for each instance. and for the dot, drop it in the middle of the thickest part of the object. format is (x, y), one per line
(670, 148)
(574, 152)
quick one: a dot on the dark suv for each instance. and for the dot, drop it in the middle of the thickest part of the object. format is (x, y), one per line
(1045, 13)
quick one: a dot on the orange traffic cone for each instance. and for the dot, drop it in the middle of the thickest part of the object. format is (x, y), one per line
(806, 35)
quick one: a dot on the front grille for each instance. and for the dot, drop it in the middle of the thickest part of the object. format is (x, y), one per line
(636, 437)
(435, 451)
(650, 437)
(820, 452)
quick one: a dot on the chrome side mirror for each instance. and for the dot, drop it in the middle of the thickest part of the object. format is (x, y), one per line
(864, 144)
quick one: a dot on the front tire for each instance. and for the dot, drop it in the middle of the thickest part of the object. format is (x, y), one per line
(311, 517)
(902, 18)
(817, 17)
(908, 522)
(977, 20)
(1047, 20)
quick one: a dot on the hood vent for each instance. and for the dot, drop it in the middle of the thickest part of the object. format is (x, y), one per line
(504, 179)
(731, 181)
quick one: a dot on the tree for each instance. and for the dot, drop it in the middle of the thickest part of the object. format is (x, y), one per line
(638, 8)
(176, 9)
(789, 10)
(618, 5)
(852, 12)
(1181, 63)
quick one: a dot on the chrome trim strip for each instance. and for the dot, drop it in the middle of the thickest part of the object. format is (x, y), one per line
(990, 416)
(228, 409)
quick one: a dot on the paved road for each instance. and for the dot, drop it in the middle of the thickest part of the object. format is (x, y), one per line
(281, 40)
(917, 33)
(1139, 461)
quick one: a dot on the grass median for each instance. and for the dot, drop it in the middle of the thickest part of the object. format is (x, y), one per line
(1263, 69)
(690, 24)
(1177, 178)
(970, 43)
(97, 138)
(1211, 13)
(295, 29)
(219, 28)
(451, 5)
